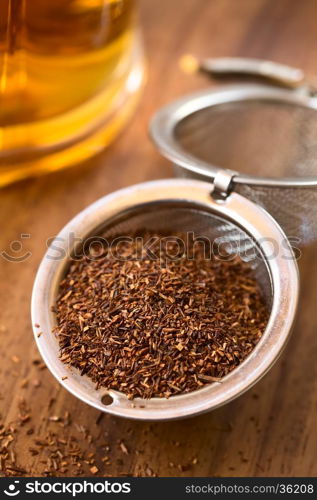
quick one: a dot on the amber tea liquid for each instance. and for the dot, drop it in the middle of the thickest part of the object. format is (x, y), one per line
(69, 75)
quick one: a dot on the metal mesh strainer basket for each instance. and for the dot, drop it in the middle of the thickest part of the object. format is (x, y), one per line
(184, 205)
(265, 136)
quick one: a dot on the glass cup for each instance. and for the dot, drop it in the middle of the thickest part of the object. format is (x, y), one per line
(70, 71)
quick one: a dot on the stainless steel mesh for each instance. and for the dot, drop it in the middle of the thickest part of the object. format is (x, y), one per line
(261, 138)
(166, 218)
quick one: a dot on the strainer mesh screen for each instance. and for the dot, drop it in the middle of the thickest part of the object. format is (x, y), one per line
(225, 236)
(261, 138)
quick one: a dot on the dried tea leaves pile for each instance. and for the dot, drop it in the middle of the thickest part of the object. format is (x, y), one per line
(158, 326)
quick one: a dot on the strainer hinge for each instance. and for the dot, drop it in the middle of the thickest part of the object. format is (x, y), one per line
(223, 184)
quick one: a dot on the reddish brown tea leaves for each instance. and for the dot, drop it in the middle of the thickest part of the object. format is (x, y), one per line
(158, 327)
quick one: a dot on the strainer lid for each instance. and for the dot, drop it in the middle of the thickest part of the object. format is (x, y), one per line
(166, 121)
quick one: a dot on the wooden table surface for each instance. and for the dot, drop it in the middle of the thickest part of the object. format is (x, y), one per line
(271, 430)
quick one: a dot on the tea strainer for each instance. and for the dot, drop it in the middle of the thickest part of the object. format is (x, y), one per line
(206, 209)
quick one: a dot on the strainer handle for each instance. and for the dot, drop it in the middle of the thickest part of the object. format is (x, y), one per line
(268, 70)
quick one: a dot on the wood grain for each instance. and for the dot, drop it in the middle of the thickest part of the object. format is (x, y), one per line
(271, 430)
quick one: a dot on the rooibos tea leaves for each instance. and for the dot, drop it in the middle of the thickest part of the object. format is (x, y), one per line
(157, 317)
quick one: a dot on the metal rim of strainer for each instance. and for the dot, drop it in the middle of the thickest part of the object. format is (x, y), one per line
(255, 221)
(165, 121)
